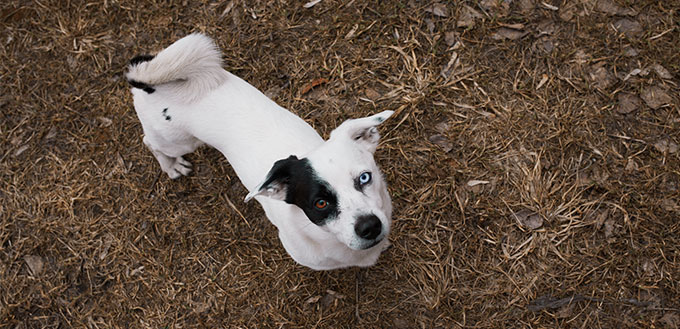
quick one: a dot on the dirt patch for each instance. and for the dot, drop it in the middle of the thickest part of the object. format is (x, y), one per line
(532, 160)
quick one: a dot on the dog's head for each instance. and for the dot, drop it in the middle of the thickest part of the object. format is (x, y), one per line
(338, 185)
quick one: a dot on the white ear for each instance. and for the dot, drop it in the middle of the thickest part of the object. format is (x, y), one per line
(276, 184)
(362, 130)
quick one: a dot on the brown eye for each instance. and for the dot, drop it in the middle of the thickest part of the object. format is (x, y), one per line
(320, 204)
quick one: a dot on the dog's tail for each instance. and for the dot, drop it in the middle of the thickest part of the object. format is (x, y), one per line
(191, 66)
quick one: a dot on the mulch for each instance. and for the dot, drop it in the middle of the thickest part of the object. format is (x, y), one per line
(533, 164)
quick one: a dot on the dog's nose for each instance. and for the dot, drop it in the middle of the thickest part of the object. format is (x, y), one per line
(368, 227)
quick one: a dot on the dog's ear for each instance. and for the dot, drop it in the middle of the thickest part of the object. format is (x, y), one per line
(362, 130)
(277, 182)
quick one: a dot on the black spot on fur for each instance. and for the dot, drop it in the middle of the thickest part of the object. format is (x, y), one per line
(164, 113)
(304, 188)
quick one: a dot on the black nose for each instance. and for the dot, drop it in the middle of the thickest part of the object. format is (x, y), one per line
(368, 227)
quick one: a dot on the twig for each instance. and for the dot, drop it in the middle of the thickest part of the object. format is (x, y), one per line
(153, 185)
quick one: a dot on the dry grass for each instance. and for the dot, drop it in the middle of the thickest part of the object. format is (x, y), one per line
(574, 222)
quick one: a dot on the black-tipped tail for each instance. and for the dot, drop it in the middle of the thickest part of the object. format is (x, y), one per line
(140, 85)
(141, 59)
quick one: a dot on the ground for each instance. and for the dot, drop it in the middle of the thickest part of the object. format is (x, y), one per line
(533, 163)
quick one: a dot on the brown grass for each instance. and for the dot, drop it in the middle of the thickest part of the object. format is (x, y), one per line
(574, 225)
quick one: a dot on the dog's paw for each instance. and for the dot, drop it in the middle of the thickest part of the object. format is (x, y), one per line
(179, 168)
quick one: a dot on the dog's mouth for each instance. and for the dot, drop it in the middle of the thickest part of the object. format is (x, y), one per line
(368, 244)
(372, 244)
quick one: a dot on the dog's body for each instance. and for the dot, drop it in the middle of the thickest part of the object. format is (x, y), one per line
(327, 198)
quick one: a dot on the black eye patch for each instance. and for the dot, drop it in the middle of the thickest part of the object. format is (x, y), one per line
(304, 188)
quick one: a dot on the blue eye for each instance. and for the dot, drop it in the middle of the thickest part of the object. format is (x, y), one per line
(365, 178)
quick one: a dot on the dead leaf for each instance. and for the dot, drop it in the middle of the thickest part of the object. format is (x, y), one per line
(468, 17)
(507, 33)
(671, 320)
(105, 247)
(627, 103)
(21, 150)
(631, 165)
(549, 6)
(655, 96)
(351, 32)
(529, 219)
(450, 66)
(329, 298)
(565, 311)
(105, 122)
(371, 94)
(544, 79)
(450, 38)
(442, 142)
(475, 182)
(35, 264)
(547, 44)
(546, 27)
(649, 267)
(273, 92)
(438, 9)
(602, 78)
(311, 3)
(526, 6)
(599, 221)
(666, 145)
(495, 7)
(430, 25)
(442, 127)
(312, 300)
(315, 83)
(632, 73)
(567, 13)
(611, 8)
(228, 8)
(630, 51)
(515, 26)
(670, 205)
(628, 27)
(51, 133)
(72, 62)
(662, 72)
(608, 228)
(400, 323)
(581, 57)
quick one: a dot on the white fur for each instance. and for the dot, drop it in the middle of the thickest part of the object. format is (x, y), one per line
(192, 66)
(207, 104)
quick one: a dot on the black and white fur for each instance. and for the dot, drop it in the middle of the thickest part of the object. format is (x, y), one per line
(327, 198)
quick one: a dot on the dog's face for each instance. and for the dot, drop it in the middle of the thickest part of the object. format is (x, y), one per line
(338, 185)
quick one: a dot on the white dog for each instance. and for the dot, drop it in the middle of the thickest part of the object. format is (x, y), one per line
(327, 198)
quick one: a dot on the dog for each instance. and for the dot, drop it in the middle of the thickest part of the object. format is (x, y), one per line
(328, 199)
